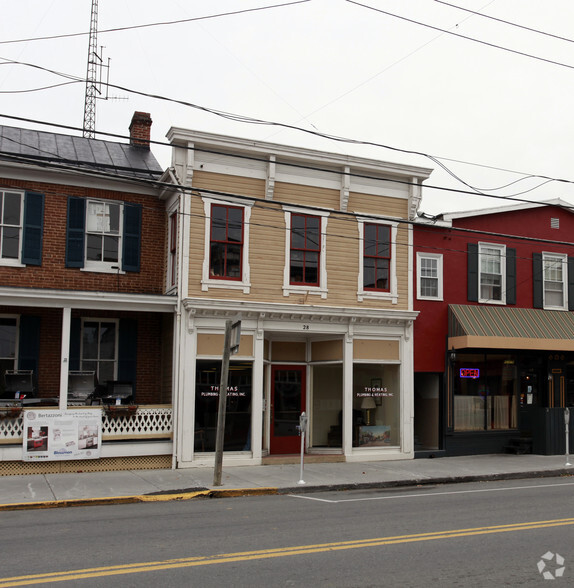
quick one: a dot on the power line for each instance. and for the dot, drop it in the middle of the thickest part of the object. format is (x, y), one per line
(156, 24)
(300, 166)
(507, 22)
(250, 120)
(276, 204)
(466, 37)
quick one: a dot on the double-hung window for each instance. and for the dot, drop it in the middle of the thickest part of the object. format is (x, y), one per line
(377, 257)
(304, 259)
(226, 242)
(21, 227)
(305, 252)
(377, 260)
(226, 259)
(103, 235)
(555, 280)
(429, 276)
(491, 272)
(100, 348)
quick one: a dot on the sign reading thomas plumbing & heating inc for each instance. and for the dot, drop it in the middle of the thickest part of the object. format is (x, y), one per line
(51, 435)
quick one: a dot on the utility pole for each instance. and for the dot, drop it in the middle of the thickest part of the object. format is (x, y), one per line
(230, 345)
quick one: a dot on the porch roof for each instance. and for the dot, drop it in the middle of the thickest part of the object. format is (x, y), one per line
(48, 298)
(502, 327)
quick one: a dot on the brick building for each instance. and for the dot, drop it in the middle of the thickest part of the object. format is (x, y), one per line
(83, 285)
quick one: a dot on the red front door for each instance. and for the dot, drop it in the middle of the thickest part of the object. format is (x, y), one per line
(287, 404)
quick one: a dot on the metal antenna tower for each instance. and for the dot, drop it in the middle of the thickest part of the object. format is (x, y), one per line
(94, 62)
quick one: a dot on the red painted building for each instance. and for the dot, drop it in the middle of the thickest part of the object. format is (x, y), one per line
(494, 338)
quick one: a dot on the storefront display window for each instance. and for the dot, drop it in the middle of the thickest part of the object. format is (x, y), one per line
(376, 405)
(238, 412)
(485, 392)
(327, 423)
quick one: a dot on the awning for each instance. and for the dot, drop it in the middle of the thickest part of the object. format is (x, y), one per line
(502, 327)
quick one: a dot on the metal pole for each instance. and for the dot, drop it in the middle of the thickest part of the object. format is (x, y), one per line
(567, 424)
(222, 406)
(302, 429)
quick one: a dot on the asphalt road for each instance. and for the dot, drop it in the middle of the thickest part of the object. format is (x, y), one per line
(482, 534)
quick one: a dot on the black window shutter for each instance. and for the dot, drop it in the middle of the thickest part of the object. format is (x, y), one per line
(75, 343)
(29, 345)
(127, 351)
(571, 283)
(472, 273)
(510, 276)
(75, 228)
(33, 228)
(537, 292)
(132, 237)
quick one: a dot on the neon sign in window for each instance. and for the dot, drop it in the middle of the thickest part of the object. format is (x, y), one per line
(469, 373)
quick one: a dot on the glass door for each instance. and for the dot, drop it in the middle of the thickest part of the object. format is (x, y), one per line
(287, 404)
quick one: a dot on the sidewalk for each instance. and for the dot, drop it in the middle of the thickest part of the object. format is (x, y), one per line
(58, 490)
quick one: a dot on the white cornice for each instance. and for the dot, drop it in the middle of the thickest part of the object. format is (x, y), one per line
(182, 137)
(293, 312)
(46, 298)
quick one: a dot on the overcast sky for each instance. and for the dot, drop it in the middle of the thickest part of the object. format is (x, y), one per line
(328, 66)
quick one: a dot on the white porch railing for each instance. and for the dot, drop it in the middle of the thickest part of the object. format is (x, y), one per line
(147, 422)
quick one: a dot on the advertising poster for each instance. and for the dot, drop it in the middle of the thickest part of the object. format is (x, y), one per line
(51, 435)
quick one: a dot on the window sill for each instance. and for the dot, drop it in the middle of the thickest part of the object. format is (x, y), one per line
(431, 298)
(498, 302)
(558, 308)
(102, 270)
(368, 295)
(11, 263)
(314, 290)
(226, 285)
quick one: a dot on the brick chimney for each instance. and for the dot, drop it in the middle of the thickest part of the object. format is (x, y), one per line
(140, 129)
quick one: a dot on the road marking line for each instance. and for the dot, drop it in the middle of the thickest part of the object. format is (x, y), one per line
(427, 494)
(187, 562)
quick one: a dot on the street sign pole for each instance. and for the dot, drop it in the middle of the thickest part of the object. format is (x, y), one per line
(567, 424)
(230, 345)
(302, 429)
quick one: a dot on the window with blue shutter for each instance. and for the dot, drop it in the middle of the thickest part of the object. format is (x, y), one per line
(132, 237)
(75, 229)
(510, 276)
(128, 351)
(472, 273)
(29, 343)
(33, 228)
(93, 235)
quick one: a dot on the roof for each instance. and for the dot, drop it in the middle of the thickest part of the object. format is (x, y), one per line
(556, 202)
(502, 327)
(58, 150)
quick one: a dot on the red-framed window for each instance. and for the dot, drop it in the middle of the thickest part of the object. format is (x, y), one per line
(305, 250)
(226, 242)
(172, 249)
(377, 258)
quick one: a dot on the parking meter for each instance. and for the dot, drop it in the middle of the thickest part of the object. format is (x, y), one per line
(303, 423)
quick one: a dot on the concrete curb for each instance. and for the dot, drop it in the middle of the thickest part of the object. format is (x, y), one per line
(169, 496)
(141, 498)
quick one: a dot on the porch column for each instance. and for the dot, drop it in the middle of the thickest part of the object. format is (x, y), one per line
(348, 392)
(65, 356)
(257, 392)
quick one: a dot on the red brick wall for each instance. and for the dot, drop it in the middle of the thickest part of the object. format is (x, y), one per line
(153, 340)
(53, 272)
